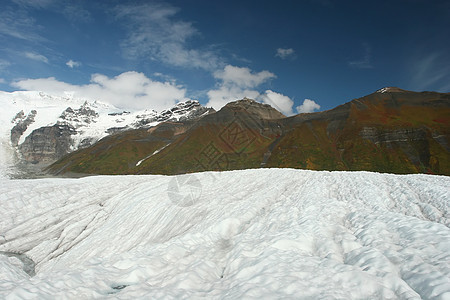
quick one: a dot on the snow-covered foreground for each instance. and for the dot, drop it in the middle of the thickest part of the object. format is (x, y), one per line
(270, 233)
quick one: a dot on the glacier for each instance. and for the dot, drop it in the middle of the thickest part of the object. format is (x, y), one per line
(265, 233)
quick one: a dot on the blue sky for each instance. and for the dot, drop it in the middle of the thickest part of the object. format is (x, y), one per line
(151, 54)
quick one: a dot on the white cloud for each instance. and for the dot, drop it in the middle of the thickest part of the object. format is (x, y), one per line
(2, 80)
(129, 90)
(220, 97)
(278, 101)
(242, 77)
(235, 84)
(285, 53)
(153, 33)
(71, 64)
(308, 106)
(36, 56)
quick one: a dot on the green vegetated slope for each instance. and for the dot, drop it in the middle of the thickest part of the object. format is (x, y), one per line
(398, 132)
(395, 131)
(118, 153)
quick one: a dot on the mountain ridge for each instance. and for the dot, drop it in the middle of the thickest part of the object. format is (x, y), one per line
(393, 131)
(38, 128)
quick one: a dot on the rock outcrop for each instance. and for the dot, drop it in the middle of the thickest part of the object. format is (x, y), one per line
(47, 144)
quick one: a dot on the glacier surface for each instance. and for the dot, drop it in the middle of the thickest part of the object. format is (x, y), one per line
(267, 233)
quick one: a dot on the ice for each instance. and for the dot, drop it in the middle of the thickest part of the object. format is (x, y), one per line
(266, 233)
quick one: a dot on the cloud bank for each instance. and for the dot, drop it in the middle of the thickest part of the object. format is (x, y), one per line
(129, 90)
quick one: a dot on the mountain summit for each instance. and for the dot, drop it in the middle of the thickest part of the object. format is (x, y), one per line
(391, 89)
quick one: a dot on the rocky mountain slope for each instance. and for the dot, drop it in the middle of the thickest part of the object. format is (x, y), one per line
(37, 129)
(391, 130)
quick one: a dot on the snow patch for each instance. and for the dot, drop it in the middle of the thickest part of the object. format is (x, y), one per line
(148, 156)
(383, 90)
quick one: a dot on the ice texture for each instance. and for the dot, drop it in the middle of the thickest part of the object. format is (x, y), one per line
(266, 233)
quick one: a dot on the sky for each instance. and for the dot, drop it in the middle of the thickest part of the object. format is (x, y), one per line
(299, 56)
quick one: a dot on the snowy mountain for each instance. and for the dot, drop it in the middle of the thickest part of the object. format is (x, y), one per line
(38, 128)
(268, 233)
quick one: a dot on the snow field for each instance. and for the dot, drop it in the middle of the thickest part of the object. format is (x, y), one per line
(267, 233)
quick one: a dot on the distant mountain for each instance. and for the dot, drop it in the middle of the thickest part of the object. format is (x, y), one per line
(37, 129)
(391, 130)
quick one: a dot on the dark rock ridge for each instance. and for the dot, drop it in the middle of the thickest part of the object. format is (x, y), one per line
(84, 114)
(183, 111)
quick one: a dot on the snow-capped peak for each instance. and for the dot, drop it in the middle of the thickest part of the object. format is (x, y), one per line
(390, 89)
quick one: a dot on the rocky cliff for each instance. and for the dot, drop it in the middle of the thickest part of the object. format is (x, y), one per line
(47, 144)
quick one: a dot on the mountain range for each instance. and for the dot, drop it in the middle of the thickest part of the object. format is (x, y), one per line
(391, 130)
(36, 128)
